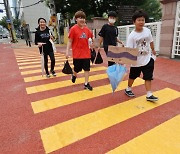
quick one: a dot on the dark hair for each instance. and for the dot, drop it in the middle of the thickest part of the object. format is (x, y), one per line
(138, 14)
(80, 14)
(112, 14)
(40, 19)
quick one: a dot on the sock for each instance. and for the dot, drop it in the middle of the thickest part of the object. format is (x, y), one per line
(86, 83)
(128, 89)
(149, 93)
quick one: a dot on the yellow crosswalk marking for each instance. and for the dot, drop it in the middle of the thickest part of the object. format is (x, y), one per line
(63, 134)
(61, 84)
(36, 59)
(39, 77)
(39, 70)
(39, 65)
(23, 57)
(163, 139)
(36, 62)
(58, 101)
(27, 57)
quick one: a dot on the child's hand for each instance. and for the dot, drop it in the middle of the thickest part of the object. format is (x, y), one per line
(67, 56)
(51, 37)
(154, 52)
(92, 46)
(99, 49)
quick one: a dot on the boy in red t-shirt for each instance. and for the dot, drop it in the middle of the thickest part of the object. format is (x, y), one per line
(78, 41)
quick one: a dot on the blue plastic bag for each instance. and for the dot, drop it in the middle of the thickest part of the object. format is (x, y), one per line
(116, 74)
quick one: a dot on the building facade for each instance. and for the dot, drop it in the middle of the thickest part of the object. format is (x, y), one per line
(29, 13)
(169, 37)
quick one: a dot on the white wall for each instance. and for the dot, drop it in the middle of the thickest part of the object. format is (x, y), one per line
(31, 14)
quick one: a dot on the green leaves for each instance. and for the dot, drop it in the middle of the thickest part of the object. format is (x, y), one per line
(96, 8)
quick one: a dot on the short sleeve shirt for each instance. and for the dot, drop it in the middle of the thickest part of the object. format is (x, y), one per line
(109, 34)
(79, 37)
(141, 40)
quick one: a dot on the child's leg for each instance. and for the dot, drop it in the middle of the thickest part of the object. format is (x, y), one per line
(148, 76)
(130, 82)
(86, 68)
(134, 73)
(46, 64)
(86, 75)
(51, 55)
(77, 66)
(148, 85)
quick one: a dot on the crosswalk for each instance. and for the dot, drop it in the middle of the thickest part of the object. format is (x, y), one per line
(66, 133)
(159, 140)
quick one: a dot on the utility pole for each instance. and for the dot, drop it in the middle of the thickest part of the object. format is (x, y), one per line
(10, 21)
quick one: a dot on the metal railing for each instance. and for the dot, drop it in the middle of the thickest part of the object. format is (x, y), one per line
(176, 39)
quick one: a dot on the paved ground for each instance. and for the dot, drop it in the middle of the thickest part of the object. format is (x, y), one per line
(40, 115)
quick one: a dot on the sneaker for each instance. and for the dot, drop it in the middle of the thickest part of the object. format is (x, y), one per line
(88, 87)
(47, 75)
(129, 93)
(53, 73)
(152, 98)
(73, 78)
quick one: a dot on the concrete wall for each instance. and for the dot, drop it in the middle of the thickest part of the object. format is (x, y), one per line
(167, 28)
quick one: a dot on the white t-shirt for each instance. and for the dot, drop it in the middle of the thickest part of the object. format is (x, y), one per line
(141, 40)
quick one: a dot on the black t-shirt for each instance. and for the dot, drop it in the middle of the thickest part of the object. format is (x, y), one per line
(43, 36)
(109, 34)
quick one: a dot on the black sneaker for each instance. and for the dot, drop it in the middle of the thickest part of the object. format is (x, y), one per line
(152, 98)
(73, 78)
(129, 93)
(53, 73)
(47, 75)
(88, 87)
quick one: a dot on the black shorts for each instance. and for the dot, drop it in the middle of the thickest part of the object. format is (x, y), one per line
(80, 64)
(147, 71)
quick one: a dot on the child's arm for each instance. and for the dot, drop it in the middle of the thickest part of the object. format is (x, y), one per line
(68, 48)
(152, 48)
(119, 41)
(100, 41)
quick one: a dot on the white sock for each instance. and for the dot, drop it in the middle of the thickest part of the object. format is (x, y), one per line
(128, 89)
(86, 83)
(149, 93)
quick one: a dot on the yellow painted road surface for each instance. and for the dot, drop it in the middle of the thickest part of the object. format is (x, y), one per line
(58, 101)
(68, 132)
(163, 139)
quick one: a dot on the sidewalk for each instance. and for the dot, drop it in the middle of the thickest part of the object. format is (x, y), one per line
(22, 44)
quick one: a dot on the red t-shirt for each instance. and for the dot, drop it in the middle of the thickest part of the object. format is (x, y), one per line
(80, 36)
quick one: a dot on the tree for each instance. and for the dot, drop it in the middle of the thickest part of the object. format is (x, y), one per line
(16, 23)
(3, 22)
(96, 8)
(91, 7)
(153, 9)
